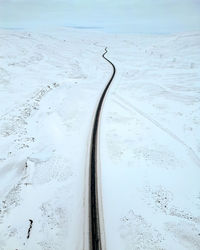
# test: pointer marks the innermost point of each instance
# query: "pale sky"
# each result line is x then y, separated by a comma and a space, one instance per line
143, 16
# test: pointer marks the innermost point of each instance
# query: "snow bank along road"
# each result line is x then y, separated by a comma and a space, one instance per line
150, 144
44, 135
95, 229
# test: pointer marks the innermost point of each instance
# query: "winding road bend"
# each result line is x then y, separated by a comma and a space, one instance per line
95, 230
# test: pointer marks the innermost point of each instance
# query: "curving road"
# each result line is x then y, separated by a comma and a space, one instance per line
95, 230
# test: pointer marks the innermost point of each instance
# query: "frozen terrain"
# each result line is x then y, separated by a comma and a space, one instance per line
149, 139
150, 145
49, 90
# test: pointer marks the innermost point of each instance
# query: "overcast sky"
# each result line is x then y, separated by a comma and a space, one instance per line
149, 16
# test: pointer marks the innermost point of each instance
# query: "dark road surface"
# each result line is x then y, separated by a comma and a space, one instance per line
95, 230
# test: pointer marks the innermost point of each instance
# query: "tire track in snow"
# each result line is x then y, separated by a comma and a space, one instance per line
127, 105
95, 230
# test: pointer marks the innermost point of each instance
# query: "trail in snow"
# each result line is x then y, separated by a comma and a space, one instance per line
125, 104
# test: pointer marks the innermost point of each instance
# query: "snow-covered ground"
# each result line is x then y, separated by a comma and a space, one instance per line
150, 145
149, 139
49, 90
